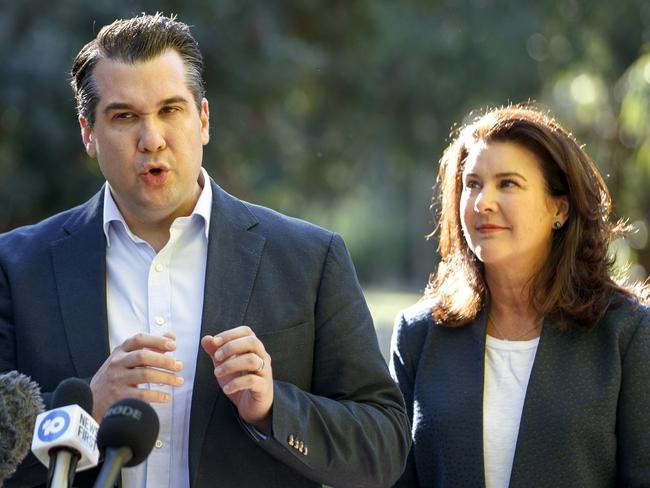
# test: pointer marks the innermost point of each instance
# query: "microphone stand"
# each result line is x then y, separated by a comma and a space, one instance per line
62, 468
113, 462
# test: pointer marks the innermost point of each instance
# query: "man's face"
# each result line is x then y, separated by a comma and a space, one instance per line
148, 137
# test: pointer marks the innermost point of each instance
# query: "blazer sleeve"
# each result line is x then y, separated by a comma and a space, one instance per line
633, 418
353, 423
403, 369
30, 472
7, 333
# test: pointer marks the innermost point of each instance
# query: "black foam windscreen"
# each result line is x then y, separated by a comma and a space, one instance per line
73, 391
129, 423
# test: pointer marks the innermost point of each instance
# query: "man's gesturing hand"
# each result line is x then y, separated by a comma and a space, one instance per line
138, 360
243, 369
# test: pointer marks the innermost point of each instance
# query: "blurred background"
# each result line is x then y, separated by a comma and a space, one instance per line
338, 111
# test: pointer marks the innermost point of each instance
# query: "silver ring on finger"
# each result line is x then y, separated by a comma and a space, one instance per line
261, 364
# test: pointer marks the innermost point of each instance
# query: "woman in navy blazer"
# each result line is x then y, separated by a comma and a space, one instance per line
526, 363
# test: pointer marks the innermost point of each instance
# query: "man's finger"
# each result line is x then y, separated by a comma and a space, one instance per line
245, 363
140, 376
146, 358
252, 382
232, 334
148, 341
149, 395
208, 345
240, 346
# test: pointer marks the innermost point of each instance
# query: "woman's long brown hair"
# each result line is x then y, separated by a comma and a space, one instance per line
575, 285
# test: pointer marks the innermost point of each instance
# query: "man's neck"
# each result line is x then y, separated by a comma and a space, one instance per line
154, 229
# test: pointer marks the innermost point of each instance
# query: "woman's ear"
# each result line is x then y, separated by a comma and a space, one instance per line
562, 211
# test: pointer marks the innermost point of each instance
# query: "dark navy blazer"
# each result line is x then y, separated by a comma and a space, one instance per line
586, 415
291, 282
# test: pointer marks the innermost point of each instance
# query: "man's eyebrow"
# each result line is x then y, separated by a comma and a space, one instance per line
117, 106
173, 100
128, 106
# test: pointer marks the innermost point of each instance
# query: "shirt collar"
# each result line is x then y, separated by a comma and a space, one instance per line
202, 209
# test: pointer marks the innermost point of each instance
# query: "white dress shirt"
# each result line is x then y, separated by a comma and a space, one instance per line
159, 293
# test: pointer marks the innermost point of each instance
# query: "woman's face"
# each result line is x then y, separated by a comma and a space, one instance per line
506, 212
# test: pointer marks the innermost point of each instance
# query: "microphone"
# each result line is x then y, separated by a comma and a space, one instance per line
65, 436
20, 403
127, 432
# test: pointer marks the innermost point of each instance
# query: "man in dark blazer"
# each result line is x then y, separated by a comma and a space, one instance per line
289, 387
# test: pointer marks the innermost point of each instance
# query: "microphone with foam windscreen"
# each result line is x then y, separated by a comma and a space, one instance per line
65, 436
127, 433
20, 404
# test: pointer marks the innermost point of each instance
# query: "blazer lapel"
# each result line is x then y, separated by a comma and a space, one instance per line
541, 406
474, 384
79, 262
233, 259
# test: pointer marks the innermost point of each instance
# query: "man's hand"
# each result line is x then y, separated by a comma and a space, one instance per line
138, 360
243, 370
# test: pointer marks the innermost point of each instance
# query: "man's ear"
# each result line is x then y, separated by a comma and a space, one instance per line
205, 121
88, 137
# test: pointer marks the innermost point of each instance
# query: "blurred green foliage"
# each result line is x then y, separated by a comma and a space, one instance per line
337, 111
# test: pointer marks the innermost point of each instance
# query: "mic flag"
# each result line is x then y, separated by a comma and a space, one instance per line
69, 427
20, 403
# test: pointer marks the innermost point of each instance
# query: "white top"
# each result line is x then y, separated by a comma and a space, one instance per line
507, 370
159, 293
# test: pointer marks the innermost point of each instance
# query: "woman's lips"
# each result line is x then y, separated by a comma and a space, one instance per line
489, 228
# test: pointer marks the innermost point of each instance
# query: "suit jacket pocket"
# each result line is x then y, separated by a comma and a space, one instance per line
292, 353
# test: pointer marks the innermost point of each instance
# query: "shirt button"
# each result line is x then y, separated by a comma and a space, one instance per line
159, 267
160, 321
159, 444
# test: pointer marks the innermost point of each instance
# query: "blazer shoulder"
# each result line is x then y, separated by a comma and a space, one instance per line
412, 325
272, 222
38, 234
289, 242
419, 313
301, 245
626, 314
626, 320
30, 239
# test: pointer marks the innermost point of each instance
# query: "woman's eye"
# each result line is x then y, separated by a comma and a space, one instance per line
508, 184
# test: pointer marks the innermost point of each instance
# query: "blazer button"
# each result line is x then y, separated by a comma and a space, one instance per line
290, 440
305, 451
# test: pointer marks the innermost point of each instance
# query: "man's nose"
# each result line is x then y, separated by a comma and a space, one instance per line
151, 137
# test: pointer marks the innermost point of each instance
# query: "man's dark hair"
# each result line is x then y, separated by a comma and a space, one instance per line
141, 38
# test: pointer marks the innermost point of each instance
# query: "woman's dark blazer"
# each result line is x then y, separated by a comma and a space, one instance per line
586, 415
